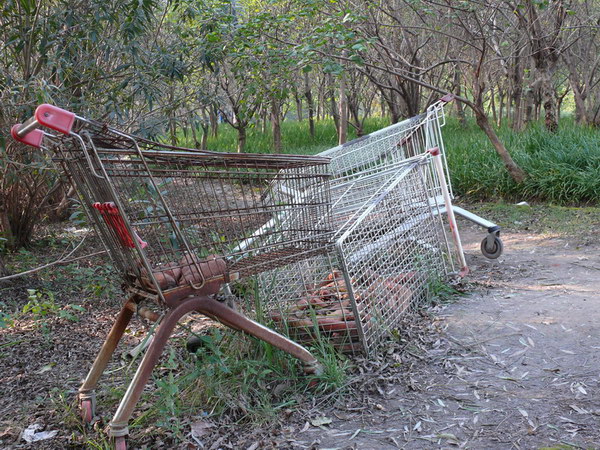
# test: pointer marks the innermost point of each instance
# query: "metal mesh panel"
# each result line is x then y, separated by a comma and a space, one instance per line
163, 212
382, 263
391, 254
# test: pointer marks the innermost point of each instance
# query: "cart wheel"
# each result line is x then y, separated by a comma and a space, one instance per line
87, 410
121, 443
495, 251
193, 344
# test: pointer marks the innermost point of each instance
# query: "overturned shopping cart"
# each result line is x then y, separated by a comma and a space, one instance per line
389, 192
179, 224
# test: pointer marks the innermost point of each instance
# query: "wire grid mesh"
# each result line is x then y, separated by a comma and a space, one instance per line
403, 140
381, 265
163, 212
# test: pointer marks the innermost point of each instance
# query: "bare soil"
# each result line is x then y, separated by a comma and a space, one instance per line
514, 363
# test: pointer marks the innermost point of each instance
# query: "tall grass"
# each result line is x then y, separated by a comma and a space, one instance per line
563, 167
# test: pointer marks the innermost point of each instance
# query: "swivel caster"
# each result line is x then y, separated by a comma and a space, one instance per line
491, 246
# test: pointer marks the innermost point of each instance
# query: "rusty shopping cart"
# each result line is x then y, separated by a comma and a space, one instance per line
179, 224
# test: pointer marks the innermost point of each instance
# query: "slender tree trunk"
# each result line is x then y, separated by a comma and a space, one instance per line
194, 135
310, 104
581, 115
276, 125
214, 121
517, 95
514, 170
204, 139
501, 107
382, 106
460, 110
298, 106
241, 129
549, 102
343, 112
263, 120
332, 103
493, 105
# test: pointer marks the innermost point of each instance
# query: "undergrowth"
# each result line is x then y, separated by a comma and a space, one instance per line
563, 167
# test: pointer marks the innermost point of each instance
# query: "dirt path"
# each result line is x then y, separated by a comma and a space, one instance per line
515, 364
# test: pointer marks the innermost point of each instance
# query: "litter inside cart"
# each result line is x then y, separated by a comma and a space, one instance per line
179, 224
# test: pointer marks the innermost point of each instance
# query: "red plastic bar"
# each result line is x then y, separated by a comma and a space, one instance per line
33, 138
56, 118
110, 214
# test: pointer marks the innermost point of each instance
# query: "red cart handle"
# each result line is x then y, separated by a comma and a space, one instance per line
47, 116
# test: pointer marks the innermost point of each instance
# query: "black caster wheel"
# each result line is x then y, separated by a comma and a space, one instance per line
493, 251
194, 344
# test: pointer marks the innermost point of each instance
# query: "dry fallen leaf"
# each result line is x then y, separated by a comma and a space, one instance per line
320, 421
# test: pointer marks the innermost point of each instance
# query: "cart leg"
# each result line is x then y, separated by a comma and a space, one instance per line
118, 425
236, 321
87, 395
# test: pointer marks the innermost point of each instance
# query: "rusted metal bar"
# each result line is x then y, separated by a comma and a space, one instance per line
108, 348
218, 311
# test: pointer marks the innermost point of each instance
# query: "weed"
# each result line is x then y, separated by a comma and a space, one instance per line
439, 291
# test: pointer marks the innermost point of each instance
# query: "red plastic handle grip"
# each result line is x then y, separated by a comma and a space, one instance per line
56, 118
113, 219
33, 138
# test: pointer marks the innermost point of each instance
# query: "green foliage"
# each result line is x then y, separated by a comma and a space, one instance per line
563, 167
41, 304
295, 135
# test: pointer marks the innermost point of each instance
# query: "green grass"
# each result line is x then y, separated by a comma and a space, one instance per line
295, 137
563, 167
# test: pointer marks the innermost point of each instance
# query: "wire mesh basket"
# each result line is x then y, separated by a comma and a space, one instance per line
164, 212
387, 253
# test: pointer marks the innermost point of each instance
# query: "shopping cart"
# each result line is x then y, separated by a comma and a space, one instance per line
403, 140
389, 253
179, 224
389, 191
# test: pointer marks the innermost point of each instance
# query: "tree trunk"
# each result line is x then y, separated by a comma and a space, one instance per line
204, 138
493, 105
241, 129
276, 125
311, 105
214, 121
460, 110
343, 112
581, 115
549, 102
332, 103
517, 96
514, 170
298, 106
